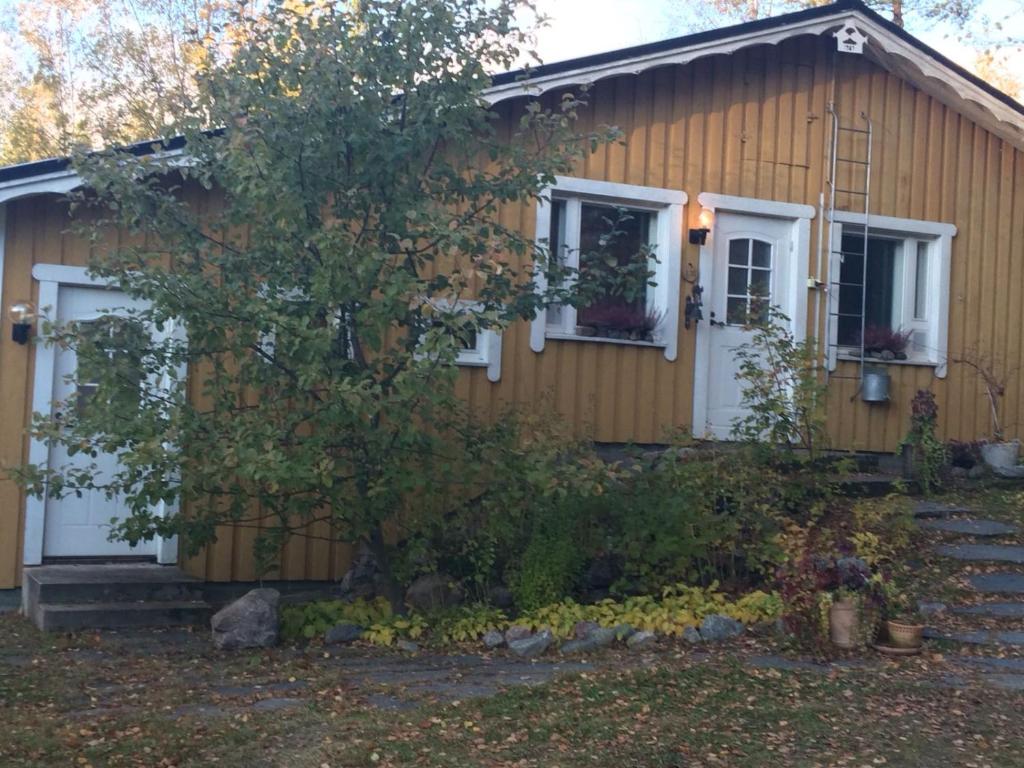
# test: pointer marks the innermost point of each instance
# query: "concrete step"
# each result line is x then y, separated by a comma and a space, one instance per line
969, 527
71, 617
983, 553
109, 584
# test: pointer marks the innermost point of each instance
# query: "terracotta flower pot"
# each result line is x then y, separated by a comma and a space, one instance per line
842, 623
904, 634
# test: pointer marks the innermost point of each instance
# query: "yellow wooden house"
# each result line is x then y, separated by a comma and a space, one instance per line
825, 157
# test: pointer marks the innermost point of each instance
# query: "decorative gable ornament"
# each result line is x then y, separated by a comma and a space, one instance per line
849, 39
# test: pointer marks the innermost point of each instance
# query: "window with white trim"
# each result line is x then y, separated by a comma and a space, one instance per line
905, 282
624, 239
478, 347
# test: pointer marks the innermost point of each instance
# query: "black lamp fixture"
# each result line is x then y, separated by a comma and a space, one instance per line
699, 234
22, 314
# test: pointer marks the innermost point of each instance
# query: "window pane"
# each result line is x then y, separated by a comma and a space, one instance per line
556, 235
921, 282
612, 239
736, 311
880, 286
739, 252
760, 283
762, 255
737, 281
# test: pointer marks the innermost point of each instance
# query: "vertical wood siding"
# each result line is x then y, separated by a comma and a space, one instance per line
753, 124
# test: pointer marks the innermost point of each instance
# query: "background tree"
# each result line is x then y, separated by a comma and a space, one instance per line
357, 188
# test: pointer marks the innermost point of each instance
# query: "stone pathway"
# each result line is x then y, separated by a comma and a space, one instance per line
992, 627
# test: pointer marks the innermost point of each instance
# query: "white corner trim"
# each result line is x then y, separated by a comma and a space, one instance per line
3, 245
668, 203
897, 225
755, 206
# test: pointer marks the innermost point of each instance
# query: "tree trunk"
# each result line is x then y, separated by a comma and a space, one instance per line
897, 13
392, 589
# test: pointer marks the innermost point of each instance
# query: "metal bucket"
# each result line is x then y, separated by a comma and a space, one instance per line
874, 386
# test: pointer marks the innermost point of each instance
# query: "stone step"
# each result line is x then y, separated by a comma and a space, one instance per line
1010, 666
969, 527
73, 617
929, 510
105, 583
991, 610
977, 636
998, 583
983, 553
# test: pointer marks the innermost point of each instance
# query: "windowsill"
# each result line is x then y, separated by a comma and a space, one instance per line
846, 357
605, 340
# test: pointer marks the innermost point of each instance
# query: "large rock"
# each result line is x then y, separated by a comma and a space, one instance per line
532, 646
717, 627
517, 632
363, 579
343, 633
493, 638
691, 635
432, 592
640, 640
596, 638
249, 622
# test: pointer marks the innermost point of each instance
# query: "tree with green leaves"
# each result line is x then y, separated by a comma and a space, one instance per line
350, 245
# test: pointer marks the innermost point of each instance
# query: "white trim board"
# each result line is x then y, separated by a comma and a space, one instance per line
796, 291
51, 277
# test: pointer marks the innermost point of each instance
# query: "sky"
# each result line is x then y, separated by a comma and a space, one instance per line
580, 27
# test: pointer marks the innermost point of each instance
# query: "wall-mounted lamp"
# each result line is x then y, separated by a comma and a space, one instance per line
22, 314
699, 235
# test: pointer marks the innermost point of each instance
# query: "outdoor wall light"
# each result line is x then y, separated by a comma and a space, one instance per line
22, 314
699, 235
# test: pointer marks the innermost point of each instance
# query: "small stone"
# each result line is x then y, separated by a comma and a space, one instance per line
532, 646
342, 634
927, 608
597, 638
888, 354
640, 640
691, 635
408, 646
249, 622
1013, 473
717, 627
584, 628
517, 632
960, 472
493, 639
976, 472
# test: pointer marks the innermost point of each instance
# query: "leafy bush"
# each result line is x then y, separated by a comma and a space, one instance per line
930, 452
381, 626
468, 623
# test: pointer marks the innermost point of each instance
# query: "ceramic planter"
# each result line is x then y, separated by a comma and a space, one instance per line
1001, 455
843, 623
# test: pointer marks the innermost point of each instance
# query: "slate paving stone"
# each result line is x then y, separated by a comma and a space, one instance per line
933, 509
802, 665
977, 636
1006, 682
983, 553
968, 527
993, 610
249, 690
1007, 665
1004, 582
276, 705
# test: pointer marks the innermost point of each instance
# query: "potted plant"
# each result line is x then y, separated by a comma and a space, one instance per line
885, 343
845, 581
923, 454
998, 453
903, 624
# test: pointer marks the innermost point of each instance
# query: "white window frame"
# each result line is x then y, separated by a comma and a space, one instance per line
667, 228
932, 329
487, 352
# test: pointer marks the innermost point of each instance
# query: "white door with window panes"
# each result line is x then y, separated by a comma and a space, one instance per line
79, 526
752, 259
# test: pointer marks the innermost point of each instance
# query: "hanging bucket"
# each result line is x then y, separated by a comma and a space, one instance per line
874, 386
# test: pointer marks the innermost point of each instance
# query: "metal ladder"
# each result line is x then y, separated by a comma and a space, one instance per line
860, 168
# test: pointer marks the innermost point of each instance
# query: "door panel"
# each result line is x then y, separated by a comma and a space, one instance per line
80, 526
752, 260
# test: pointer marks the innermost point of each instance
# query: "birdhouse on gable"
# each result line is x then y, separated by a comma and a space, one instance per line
849, 39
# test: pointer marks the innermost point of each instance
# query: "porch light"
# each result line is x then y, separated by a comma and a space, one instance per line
699, 234
22, 314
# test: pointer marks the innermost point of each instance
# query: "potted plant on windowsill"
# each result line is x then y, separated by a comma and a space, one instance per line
882, 343
1000, 454
619, 321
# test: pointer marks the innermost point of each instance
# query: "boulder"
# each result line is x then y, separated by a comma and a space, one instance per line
408, 646
717, 627
249, 622
343, 633
432, 592
517, 632
640, 640
532, 646
597, 638
363, 579
584, 628
493, 639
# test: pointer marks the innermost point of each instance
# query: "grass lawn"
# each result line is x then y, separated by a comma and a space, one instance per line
135, 701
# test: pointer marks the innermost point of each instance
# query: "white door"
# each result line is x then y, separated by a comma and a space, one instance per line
752, 259
80, 526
